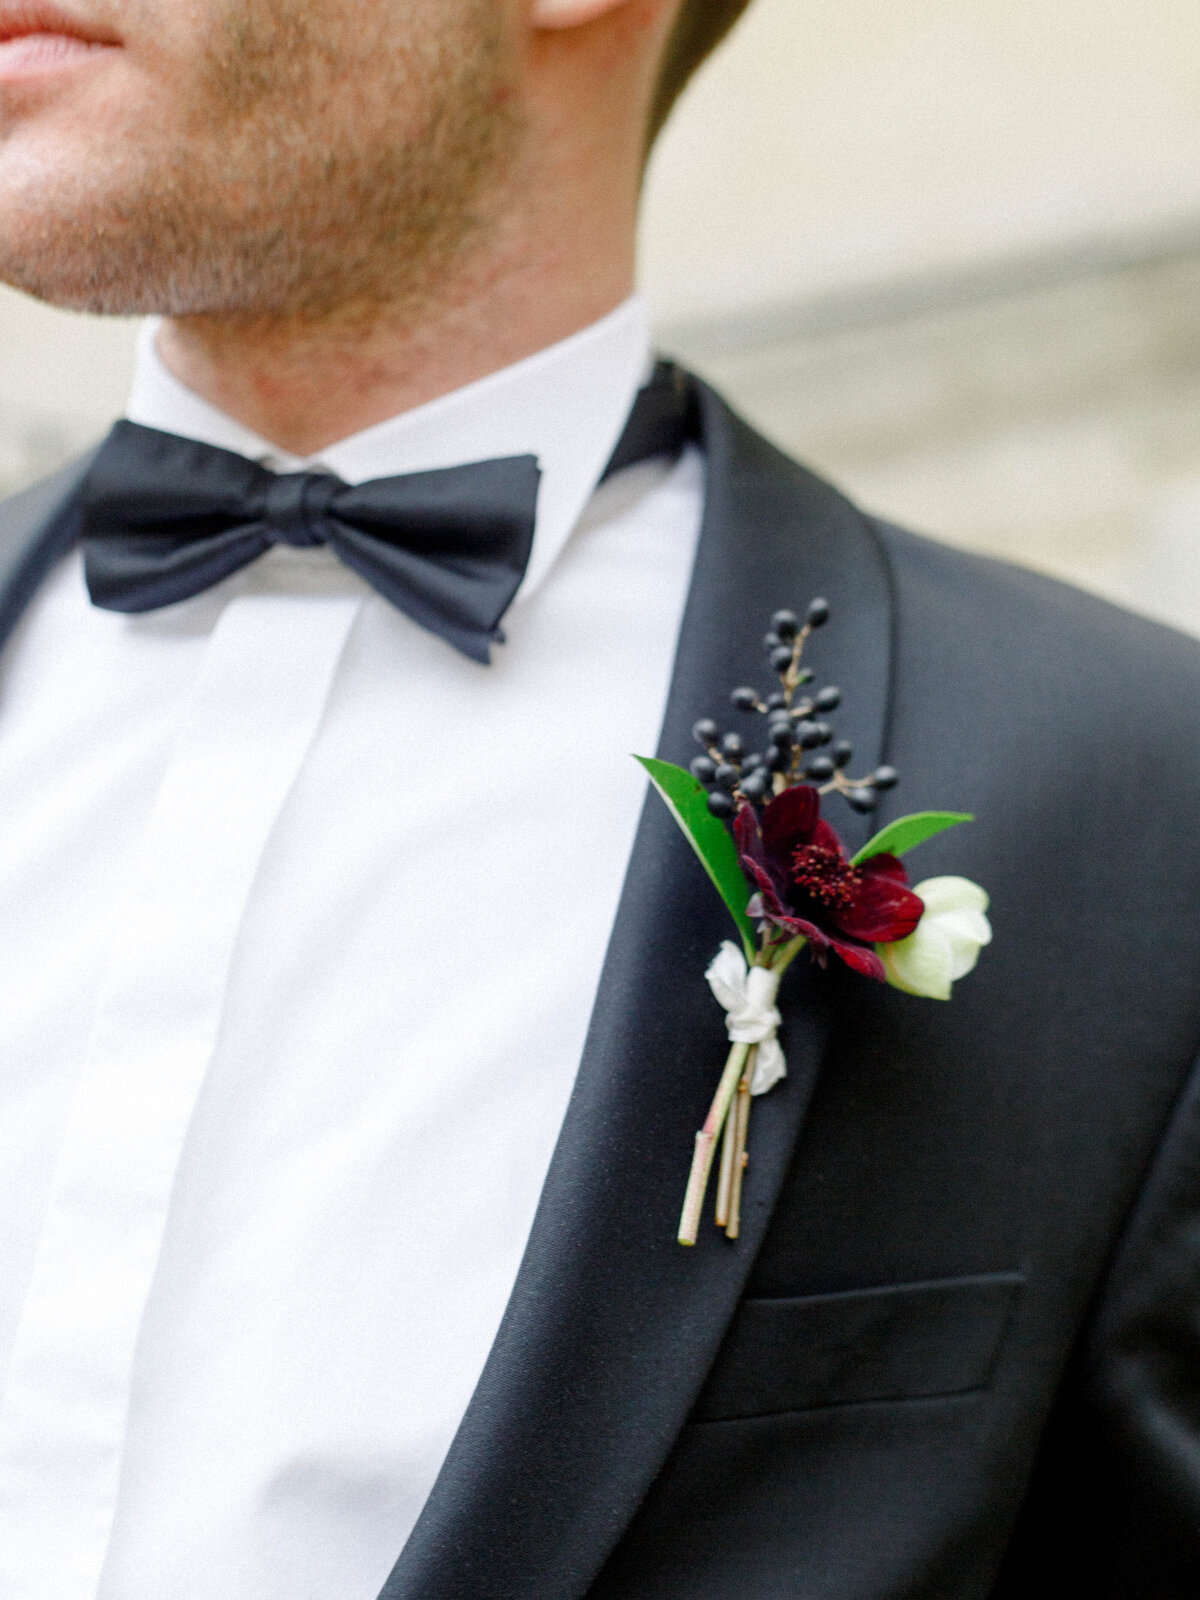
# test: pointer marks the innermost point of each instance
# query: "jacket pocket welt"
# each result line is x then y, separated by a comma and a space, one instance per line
900, 1342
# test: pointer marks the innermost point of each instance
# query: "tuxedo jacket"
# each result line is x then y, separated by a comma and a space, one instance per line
956, 1351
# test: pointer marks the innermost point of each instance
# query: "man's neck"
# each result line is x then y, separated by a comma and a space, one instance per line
304, 383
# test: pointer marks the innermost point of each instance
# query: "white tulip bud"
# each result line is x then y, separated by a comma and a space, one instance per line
945, 944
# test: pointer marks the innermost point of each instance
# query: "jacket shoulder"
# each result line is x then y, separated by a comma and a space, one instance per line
983, 606
37, 527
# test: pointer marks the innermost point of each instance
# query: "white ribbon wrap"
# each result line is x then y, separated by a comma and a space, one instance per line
748, 997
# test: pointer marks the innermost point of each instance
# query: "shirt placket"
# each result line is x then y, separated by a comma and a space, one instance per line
252, 717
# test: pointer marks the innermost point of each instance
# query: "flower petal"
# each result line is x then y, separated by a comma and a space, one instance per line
947, 940
769, 894
799, 927
957, 906
884, 908
788, 822
826, 838
887, 866
965, 924
758, 867
746, 833
952, 894
860, 957
964, 950
920, 964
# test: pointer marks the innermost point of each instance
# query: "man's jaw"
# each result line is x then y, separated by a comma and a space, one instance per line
38, 39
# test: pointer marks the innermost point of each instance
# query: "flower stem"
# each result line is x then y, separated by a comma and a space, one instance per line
739, 1119
739, 1069
725, 1172
706, 1141
781, 957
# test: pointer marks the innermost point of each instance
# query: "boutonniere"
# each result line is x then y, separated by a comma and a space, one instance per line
755, 819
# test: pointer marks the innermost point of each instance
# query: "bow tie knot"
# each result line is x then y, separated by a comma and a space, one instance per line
295, 508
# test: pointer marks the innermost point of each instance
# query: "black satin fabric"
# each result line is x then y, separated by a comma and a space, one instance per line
166, 517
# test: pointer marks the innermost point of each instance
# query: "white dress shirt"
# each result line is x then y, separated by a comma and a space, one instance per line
302, 916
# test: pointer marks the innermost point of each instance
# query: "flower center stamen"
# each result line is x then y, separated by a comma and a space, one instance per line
825, 875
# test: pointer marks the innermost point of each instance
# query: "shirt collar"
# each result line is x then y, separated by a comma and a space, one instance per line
567, 405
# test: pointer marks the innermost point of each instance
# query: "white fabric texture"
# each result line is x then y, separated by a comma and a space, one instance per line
747, 995
263, 1208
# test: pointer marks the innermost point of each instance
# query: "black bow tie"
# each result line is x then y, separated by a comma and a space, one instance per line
166, 517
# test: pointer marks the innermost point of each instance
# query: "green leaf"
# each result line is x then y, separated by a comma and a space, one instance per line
708, 837
907, 832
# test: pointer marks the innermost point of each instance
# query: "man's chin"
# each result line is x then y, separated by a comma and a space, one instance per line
91, 300
58, 273
77, 248
88, 224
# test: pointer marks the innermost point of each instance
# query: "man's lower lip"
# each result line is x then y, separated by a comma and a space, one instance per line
34, 54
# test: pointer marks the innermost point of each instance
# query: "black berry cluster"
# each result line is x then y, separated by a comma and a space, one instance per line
800, 744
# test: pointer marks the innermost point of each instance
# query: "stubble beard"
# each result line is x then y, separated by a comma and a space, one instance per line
302, 178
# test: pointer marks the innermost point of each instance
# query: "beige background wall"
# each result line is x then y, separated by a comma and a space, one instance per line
948, 250
839, 143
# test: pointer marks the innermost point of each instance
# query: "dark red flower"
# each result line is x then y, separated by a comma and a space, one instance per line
807, 885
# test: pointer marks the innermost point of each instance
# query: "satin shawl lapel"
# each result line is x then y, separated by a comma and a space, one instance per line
37, 527
612, 1326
